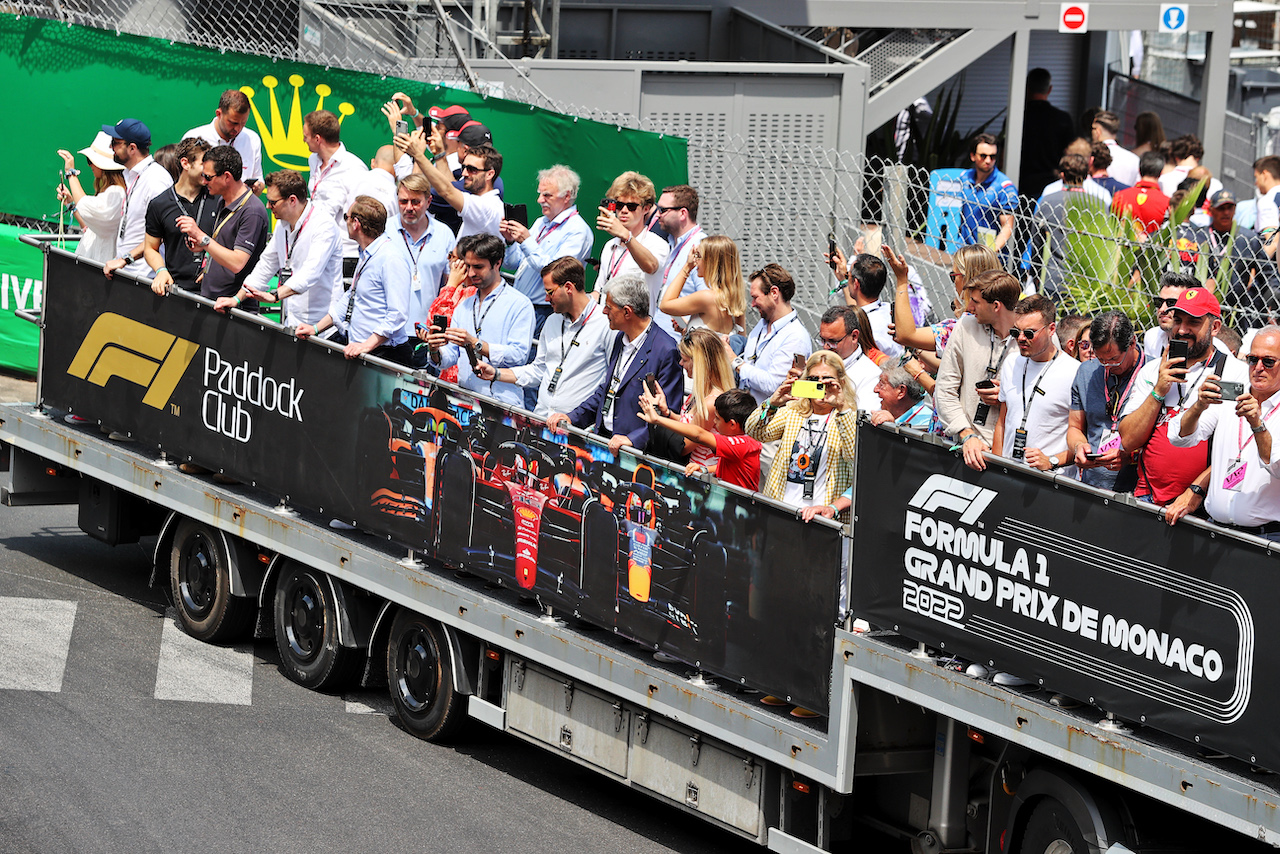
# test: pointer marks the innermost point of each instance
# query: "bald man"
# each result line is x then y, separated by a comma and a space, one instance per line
380, 181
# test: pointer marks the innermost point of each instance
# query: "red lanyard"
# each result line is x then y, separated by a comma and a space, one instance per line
1240, 437
551, 226
297, 235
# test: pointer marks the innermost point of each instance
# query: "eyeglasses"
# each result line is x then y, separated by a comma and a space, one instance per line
631, 206
1164, 302
1268, 362
663, 210
271, 203
831, 343
1026, 333
1084, 344
953, 275
205, 177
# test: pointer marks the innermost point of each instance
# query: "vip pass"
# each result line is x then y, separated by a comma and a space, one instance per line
235, 393
948, 564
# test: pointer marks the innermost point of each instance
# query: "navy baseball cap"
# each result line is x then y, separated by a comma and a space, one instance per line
474, 134
130, 130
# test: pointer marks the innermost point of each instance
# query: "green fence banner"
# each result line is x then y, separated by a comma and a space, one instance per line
21, 289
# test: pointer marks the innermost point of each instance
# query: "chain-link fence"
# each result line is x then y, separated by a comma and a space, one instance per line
411, 40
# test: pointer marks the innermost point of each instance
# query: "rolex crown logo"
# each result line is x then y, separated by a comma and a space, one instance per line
285, 144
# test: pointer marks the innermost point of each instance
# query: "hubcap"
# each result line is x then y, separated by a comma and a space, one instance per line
419, 671
197, 579
305, 613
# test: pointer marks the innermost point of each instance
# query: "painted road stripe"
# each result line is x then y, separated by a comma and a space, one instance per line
199, 672
35, 636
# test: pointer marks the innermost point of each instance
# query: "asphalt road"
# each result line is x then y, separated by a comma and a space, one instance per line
119, 734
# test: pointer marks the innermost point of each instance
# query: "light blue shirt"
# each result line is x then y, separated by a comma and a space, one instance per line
567, 234
429, 259
675, 261
768, 354
504, 321
378, 301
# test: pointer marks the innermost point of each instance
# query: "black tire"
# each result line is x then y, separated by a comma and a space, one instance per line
1050, 829
200, 581
420, 678
306, 622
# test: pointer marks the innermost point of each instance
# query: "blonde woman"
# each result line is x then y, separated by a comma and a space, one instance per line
814, 465
706, 364
99, 214
722, 307
632, 247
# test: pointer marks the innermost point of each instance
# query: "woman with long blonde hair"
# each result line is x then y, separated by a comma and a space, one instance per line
723, 305
706, 364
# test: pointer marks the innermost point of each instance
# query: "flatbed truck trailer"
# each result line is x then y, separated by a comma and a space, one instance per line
907, 741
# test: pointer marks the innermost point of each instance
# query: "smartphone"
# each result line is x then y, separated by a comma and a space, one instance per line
1178, 350
798, 361
518, 213
831, 250
1093, 456
1230, 390
402, 126
611, 205
985, 384
651, 383
440, 321
808, 388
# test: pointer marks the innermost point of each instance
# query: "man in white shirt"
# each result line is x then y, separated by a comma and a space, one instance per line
777, 339
572, 355
865, 282
478, 202
838, 330
678, 216
229, 128
380, 181
1185, 154
1266, 177
1124, 163
305, 252
144, 179
1035, 391
1244, 487
334, 174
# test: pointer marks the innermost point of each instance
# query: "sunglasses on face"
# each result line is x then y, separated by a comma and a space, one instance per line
473, 170
1164, 302
1025, 333
614, 203
1268, 362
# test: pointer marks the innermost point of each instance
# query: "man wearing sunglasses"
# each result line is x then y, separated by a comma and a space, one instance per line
1175, 477
1098, 396
1035, 391
1244, 485
1156, 338
989, 197
240, 234
478, 202
678, 216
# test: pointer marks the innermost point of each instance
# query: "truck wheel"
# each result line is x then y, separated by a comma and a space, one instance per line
1050, 829
200, 580
307, 631
420, 678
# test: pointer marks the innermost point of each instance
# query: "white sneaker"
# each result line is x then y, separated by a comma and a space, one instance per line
1008, 680
339, 525
75, 420
977, 671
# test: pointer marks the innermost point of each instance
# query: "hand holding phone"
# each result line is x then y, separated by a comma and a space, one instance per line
1179, 350
440, 321
811, 389
651, 383
1230, 390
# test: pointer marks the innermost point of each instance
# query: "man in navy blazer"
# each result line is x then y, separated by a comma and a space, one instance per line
613, 409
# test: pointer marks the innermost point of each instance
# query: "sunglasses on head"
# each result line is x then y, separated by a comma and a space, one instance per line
614, 203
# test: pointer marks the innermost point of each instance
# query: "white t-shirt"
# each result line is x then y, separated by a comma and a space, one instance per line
247, 143
1268, 211
480, 214
1049, 407
615, 261
864, 374
812, 437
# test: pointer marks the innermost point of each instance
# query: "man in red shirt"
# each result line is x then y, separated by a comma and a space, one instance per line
1145, 200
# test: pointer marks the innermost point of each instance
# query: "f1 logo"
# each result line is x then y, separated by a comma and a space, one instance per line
947, 493
118, 346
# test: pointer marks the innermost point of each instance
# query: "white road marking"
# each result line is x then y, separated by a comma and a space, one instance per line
35, 637
368, 703
199, 672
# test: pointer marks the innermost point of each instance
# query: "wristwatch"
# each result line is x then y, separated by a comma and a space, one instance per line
127, 258
69, 173
1054, 462
1197, 489
738, 362
1261, 428
206, 240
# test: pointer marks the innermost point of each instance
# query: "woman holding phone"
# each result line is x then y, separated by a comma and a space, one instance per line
99, 213
813, 414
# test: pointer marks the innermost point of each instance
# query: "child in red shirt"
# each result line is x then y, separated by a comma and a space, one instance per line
739, 453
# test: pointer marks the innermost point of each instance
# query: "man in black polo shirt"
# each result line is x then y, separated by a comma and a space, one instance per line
240, 234
178, 265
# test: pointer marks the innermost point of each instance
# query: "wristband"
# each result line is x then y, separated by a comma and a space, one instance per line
1197, 489
237, 299
161, 267
916, 375
844, 283
1158, 397
627, 240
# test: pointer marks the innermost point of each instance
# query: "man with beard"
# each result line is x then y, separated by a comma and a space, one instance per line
1098, 396
1175, 477
333, 174
229, 128
144, 179
478, 201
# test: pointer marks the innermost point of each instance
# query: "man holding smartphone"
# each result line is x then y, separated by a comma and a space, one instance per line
1172, 476
1098, 395
968, 388
1244, 485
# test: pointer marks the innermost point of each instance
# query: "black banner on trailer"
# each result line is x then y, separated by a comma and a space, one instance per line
1095, 599
739, 587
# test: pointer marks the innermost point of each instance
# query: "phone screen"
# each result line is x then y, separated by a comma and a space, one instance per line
1178, 350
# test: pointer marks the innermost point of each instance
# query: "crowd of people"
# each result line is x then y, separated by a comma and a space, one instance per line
416, 258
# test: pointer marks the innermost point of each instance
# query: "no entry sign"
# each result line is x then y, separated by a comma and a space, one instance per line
1073, 18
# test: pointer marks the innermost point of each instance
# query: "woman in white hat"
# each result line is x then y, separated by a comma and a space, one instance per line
99, 214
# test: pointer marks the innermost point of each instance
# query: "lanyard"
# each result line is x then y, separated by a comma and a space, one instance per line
1028, 399
551, 225
129, 193
1240, 437
1113, 409
619, 253
620, 370
773, 333
810, 454
1183, 387
355, 280
991, 372
564, 350
675, 253
229, 215
297, 235
477, 316
204, 197
333, 161
408, 245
